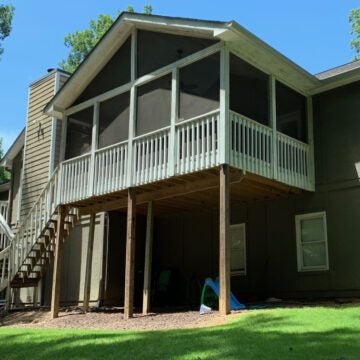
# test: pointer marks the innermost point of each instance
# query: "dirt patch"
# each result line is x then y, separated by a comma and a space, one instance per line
112, 320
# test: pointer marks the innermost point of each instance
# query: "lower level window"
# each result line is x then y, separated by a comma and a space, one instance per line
311, 238
238, 249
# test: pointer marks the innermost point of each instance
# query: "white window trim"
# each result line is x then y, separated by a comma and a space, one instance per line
300, 266
240, 272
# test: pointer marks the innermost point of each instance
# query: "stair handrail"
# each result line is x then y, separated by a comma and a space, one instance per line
51, 206
6, 228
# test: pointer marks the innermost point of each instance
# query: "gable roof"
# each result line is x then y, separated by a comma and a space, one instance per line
242, 42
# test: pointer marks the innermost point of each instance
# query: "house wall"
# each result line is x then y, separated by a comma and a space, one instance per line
37, 142
15, 188
189, 244
38, 139
74, 265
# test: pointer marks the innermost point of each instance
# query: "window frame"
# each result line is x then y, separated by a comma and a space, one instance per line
299, 245
239, 272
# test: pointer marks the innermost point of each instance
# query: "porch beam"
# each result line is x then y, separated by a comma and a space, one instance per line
130, 255
89, 258
59, 245
148, 259
224, 246
165, 193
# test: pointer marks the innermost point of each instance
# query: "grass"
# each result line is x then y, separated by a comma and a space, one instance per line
308, 333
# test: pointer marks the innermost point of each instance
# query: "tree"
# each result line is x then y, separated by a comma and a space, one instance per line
354, 19
6, 16
81, 43
4, 175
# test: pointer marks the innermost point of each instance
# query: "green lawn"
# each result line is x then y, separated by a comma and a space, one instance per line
308, 333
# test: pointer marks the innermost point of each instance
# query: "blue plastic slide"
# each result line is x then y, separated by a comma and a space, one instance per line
234, 303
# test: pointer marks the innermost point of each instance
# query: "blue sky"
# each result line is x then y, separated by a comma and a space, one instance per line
313, 33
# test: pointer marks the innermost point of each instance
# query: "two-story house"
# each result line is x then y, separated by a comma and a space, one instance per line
190, 147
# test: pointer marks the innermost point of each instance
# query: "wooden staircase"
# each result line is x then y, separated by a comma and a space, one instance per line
24, 262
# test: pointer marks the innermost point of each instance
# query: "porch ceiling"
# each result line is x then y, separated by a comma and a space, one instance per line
189, 193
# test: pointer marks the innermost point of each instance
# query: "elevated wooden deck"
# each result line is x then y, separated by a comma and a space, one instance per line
191, 192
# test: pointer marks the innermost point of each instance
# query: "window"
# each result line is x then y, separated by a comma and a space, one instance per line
238, 249
311, 238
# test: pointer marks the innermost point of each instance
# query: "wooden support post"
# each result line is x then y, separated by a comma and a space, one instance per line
55, 296
130, 255
148, 259
224, 246
89, 257
35, 296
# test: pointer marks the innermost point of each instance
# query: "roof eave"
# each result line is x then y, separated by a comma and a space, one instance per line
13, 151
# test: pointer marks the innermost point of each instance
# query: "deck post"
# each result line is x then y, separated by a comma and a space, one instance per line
148, 259
89, 257
174, 115
274, 155
59, 245
35, 295
310, 140
132, 112
94, 146
130, 255
224, 246
224, 122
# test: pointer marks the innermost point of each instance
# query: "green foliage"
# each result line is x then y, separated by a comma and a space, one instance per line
354, 19
81, 43
319, 333
147, 9
6, 16
4, 175
130, 8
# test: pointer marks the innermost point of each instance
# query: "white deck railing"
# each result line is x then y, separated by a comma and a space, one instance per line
110, 169
293, 162
251, 150
197, 143
151, 157
75, 176
195, 148
250, 145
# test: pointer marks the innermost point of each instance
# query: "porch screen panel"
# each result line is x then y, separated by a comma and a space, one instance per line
156, 49
249, 90
199, 87
153, 105
115, 73
291, 112
114, 120
78, 136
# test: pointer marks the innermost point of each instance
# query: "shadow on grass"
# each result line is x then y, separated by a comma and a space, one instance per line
259, 336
